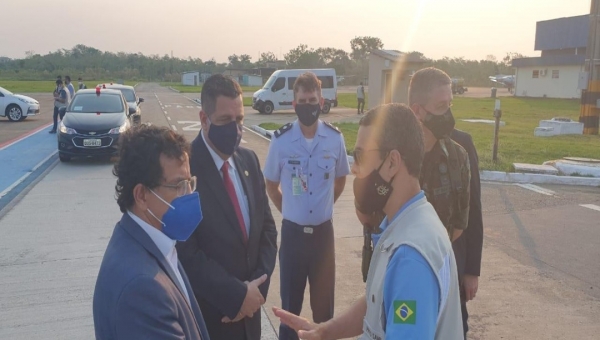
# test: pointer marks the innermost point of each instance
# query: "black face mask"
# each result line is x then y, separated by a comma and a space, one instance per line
372, 192
308, 113
225, 137
440, 126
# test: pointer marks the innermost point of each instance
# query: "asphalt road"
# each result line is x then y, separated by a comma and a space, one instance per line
540, 276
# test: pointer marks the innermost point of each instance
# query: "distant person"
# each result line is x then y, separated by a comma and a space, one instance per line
56, 89
69, 86
142, 291
360, 97
62, 97
82, 86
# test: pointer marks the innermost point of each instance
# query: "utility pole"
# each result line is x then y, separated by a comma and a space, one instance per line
590, 96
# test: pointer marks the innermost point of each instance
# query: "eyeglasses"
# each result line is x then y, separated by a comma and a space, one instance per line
358, 155
187, 186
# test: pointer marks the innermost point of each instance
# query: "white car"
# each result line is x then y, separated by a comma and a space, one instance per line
16, 106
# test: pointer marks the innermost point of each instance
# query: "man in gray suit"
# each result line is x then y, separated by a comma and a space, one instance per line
142, 292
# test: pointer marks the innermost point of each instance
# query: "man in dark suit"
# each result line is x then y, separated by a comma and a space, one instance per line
142, 291
231, 255
468, 247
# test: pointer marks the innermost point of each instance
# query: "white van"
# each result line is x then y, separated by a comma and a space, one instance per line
278, 92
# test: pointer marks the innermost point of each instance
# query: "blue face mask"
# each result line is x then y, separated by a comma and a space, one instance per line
225, 137
182, 218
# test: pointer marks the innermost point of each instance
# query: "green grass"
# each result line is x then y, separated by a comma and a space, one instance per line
270, 126
198, 89
349, 100
247, 101
516, 141
25, 86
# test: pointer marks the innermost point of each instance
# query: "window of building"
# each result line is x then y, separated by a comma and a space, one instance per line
555, 74
536, 74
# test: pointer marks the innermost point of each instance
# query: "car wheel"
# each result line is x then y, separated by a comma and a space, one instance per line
268, 108
63, 157
461, 91
326, 108
14, 113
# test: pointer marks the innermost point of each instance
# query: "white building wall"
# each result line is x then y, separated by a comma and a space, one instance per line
254, 81
565, 86
188, 78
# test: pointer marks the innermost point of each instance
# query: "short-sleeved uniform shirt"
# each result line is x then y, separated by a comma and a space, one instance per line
306, 171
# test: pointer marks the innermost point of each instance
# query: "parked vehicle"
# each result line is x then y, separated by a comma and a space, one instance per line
17, 107
92, 124
278, 92
458, 86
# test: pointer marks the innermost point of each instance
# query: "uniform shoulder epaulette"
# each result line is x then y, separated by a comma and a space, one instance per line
331, 126
287, 127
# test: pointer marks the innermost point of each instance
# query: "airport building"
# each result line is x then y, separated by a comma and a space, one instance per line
558, 72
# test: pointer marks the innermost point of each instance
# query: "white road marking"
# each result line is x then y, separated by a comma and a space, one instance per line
590, 206
174, 127
256, 133
179, 106
190, 107
192, 125
243, 141
167, 106
24, 177
537, 189
169, 118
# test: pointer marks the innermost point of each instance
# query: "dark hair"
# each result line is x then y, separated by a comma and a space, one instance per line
397, 128
67, 78
59, 82
139, 159
79, 78
215, 86
308, 82
423, 82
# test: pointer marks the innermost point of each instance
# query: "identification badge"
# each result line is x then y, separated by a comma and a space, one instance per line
296, 186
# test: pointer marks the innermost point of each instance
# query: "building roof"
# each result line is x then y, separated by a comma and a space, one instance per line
395, 55
561, 33
555, 60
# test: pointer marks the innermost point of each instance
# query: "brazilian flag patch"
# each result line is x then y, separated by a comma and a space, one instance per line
405, 312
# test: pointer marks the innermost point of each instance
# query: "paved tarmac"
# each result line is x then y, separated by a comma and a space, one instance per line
540, 276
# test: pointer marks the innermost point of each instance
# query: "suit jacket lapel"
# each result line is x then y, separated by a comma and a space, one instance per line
140, 235
210, 175
242, 169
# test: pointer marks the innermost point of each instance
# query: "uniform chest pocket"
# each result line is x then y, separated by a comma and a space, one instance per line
294, 166
326, 164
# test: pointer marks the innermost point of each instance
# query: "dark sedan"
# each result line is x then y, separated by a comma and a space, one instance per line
92, 124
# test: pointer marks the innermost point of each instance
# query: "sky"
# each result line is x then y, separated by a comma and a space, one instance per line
208, 29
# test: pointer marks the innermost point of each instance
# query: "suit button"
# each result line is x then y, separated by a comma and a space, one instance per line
311, 211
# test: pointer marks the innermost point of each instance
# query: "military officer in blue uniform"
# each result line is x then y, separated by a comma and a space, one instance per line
306, 172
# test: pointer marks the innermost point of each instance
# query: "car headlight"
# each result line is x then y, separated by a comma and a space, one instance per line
25, 101
119, 129
67, 130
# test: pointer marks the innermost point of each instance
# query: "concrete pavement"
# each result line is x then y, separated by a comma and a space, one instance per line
540, 276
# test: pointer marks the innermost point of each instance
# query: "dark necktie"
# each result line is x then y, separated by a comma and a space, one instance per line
233, 197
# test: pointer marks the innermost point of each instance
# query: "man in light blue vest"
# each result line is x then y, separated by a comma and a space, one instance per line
412, 286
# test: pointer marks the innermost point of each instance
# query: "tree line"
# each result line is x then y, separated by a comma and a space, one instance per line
91, 63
